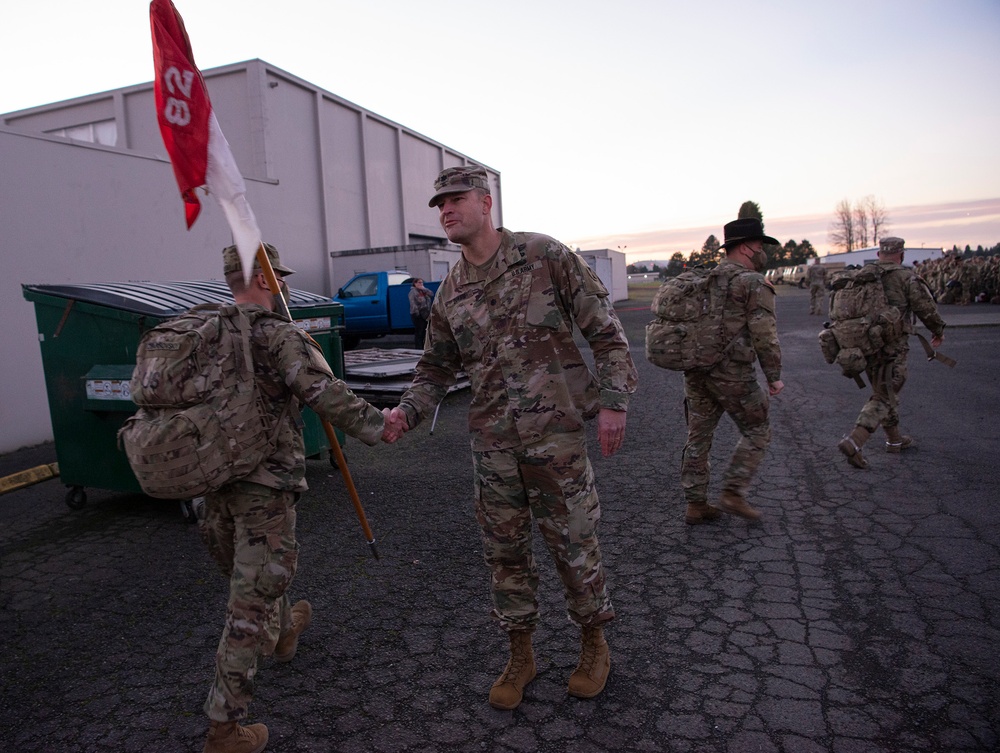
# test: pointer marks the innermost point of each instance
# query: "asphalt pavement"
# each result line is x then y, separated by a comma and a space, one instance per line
861, 615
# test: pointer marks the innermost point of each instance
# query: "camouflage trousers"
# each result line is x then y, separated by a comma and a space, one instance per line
705, 400
551, 481
250, 532
816, 295
886, 375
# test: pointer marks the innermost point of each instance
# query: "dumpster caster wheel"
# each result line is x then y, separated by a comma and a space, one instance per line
189, 509
76, 498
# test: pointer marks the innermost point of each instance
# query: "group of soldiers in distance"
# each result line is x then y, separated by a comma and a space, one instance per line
954, 279
957, 279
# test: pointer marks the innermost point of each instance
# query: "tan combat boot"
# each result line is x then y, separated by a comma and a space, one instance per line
288, 643
851, 446
894, 441
591, 674
735, 504
508, 690
700, 512
230, 737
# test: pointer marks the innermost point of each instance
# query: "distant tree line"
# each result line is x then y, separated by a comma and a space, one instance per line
711, 253
858, 225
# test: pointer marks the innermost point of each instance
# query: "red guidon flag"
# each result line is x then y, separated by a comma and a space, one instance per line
198, 151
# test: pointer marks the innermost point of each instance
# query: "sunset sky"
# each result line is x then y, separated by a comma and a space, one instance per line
641, 124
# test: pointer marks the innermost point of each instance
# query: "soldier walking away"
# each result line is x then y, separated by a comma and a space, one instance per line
506, 315
886, 369
731, 386
816, 277
249, 524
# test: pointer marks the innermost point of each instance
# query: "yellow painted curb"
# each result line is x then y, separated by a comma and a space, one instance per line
28, 477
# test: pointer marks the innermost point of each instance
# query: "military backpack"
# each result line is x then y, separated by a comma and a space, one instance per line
862, 322
200, 423
689, 332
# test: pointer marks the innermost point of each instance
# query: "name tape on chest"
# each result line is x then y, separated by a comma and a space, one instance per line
537, 264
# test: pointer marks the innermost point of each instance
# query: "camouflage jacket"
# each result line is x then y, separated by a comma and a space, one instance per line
907, 291
816, 275
511, 330
420, 300
290, 366
749, 318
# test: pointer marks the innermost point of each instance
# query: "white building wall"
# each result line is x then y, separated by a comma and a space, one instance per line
612, 268
322, 175
77, 213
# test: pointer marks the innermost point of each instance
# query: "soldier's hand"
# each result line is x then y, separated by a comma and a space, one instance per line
610, 430
395, 424
774, 388
389, 434
936, 341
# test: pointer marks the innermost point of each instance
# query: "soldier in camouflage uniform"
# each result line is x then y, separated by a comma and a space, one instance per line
816, 276
506, 315
249, 525
886, 370
420, 311
731, 386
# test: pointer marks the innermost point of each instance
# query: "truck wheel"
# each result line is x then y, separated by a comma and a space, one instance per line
351, 342
76, 498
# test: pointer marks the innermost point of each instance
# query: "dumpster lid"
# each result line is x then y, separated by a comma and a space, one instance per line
161, 298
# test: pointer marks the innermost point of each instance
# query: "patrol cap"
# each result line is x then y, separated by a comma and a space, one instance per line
746, 229
231, 260
890, 245
459, 180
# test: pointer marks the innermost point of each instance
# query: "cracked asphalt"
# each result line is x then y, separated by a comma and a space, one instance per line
861, 615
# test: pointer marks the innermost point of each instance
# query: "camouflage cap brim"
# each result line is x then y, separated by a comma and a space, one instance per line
459, 180
231, 261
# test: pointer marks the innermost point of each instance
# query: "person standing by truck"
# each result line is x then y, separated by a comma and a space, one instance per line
420, 311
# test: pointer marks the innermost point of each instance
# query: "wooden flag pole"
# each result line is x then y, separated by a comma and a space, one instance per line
331, 435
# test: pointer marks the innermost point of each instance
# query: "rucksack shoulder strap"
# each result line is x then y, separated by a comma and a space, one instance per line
729, 271
235, 319
236, 323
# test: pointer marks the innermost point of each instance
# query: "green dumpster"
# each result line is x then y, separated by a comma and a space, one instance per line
89, 334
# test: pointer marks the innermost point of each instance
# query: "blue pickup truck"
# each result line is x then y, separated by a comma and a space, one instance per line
377, 304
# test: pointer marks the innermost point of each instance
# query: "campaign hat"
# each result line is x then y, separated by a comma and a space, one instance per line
743, 230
